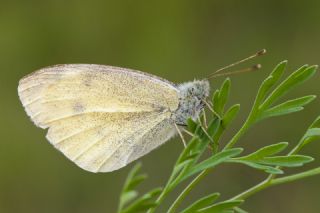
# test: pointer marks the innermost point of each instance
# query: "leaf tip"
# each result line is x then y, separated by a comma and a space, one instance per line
284, 144
314, 66
237, 105
238, 150
309, 159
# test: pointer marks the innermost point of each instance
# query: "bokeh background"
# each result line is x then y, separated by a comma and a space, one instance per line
177, 40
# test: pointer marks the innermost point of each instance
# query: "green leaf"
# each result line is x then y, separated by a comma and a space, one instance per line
278, 71
132, 174
213, 161
267, 169
238, 210
263, 90
223, 96
133, 179
213, 130
288, 106
214, 126
140, 207
265, 151
270, 81
287, 161
143, 203
128, 192
261, 159
128, 196
215, 99
221, 207
316, 123
188, 156
189, 150
136, 181
195, 154
192, 125
230, 115
292, 81
201, 203
311, 135
223, 125
178, 168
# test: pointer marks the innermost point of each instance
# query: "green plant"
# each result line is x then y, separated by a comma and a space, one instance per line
266, 159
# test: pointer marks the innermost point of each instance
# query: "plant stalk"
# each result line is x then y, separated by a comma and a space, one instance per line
260, 186
237, 136
187, 190
294, 177
268, 182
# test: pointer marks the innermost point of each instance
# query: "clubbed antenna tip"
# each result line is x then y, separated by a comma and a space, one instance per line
261, 52
257, 66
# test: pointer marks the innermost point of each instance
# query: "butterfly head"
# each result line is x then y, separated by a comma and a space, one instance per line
191, 101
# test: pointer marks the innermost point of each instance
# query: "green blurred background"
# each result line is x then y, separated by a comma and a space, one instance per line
177, 40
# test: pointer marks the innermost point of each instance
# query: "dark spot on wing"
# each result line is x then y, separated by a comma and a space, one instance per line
78, 107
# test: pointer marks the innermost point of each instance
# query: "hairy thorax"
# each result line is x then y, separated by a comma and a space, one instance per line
191, 100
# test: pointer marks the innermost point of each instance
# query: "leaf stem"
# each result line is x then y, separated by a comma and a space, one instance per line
163, 194
260, 186
160, 198
243, 129
187, 190
268, 182
294, 177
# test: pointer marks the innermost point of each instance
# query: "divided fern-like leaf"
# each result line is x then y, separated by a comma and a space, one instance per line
143, 203
268, 158
287, 107
230, 114
270, 81
312, 134
265, 151
133, 180
202, 203
287, 161
296, 78
222, 207
213, 161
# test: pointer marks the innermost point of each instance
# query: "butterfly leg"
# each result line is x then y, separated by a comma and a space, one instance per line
210, 107
208, 135
204, 119
189, 133
205, 131
181, 136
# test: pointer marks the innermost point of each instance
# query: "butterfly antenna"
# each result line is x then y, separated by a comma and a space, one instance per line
249, 69
259, 53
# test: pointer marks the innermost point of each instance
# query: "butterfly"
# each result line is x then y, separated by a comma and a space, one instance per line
104, 117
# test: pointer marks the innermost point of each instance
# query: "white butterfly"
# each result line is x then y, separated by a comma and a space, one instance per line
104, 117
